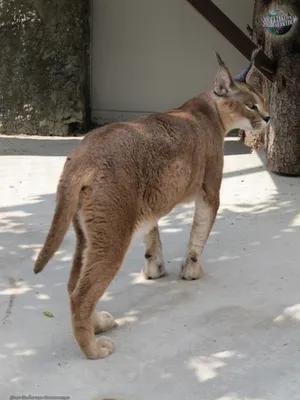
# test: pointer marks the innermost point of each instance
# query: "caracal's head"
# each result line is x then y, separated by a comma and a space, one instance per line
240, 105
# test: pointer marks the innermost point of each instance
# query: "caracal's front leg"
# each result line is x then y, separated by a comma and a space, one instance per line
154, 265
206, 208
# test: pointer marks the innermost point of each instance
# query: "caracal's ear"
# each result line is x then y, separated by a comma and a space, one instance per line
242, 76
224, 83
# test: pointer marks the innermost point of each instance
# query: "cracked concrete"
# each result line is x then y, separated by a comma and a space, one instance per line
232, 336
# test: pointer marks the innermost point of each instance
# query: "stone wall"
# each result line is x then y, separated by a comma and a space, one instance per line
44, 53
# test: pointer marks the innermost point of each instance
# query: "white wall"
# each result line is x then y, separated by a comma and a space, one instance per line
151, 55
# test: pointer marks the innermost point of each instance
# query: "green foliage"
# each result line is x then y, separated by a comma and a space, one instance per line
48, 314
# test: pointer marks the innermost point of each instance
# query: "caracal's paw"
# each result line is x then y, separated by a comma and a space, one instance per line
104, 347
191, 270
153, 269
103, 321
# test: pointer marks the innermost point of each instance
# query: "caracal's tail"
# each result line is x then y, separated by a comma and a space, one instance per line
66, 205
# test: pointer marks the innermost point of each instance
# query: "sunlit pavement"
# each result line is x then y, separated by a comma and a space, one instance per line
235, 335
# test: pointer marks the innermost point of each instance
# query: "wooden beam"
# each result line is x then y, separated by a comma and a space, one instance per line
234, 35
265, 66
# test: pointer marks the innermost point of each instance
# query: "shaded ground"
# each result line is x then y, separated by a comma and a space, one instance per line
232, 336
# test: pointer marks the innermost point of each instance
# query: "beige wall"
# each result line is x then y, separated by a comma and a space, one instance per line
150, 55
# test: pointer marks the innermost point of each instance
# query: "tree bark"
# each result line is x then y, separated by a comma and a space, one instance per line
44, 67
281, 139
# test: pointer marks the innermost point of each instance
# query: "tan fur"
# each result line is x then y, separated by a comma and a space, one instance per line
126, 176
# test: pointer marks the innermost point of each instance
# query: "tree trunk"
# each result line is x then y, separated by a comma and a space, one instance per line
282, 138
44, 67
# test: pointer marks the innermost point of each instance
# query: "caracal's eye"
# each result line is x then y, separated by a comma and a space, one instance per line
252, 107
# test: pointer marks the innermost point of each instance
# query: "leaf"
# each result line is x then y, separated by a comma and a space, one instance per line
48, 314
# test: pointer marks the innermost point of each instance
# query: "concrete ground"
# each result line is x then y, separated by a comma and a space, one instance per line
235, 335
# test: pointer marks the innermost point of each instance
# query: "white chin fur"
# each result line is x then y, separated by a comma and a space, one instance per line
243, 124
246, 126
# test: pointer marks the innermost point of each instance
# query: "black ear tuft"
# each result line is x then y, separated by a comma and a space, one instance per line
220, 61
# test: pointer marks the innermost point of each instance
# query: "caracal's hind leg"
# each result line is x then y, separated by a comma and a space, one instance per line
102, 321
108, 237
78, 256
